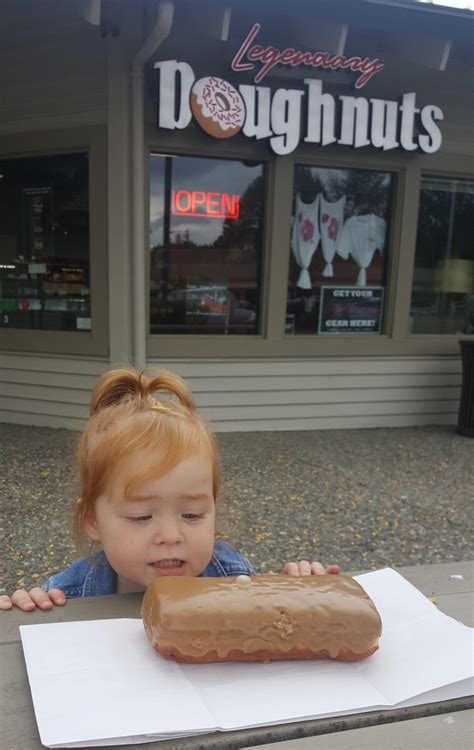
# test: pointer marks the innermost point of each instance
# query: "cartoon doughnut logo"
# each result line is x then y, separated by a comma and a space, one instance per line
218, 107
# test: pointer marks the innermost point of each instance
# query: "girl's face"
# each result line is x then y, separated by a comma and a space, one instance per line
167, 528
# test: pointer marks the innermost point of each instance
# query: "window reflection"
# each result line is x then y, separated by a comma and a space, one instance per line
338, 250
206, 218
44, 243
443, 277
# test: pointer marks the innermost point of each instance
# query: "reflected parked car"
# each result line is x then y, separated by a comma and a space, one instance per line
213, 302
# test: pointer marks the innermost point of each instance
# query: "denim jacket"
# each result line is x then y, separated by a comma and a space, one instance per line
95, 577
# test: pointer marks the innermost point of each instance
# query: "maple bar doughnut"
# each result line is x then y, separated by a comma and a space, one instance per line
260, 618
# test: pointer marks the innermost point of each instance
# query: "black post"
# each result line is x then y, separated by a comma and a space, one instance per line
466, 404
165, 259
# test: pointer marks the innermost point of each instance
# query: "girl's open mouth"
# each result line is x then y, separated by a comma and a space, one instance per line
168, 566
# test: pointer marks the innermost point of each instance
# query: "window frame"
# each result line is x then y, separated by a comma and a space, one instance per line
49, 143
393, 190
448, 175
221, 336
158, 345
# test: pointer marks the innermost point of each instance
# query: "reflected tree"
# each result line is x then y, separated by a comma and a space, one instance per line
367, 191
245, 232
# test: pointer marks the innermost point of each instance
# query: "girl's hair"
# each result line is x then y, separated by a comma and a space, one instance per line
133, 414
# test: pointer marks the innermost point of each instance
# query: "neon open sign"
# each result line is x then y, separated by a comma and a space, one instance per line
205, 205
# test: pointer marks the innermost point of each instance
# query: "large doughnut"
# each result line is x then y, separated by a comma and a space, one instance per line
217, 107
200, 620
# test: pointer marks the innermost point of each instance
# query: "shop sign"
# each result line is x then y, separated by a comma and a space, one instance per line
287, 115
270, 56
222, 111
347, 309
204, 204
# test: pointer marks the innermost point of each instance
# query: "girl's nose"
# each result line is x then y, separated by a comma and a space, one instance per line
167, 532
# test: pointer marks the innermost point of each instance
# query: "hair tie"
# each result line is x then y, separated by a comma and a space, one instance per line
158, 406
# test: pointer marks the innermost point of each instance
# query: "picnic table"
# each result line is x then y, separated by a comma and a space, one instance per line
447, 723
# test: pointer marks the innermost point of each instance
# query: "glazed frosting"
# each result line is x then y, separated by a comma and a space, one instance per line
271, 613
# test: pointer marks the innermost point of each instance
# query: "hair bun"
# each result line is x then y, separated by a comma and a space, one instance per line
118, 386
174, 385
115, 386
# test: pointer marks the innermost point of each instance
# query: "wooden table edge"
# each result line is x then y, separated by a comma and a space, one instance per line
237, 739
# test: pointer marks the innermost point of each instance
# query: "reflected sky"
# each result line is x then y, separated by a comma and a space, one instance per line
329, 178
194, 173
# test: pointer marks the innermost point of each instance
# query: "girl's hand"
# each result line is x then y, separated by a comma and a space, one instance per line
29, 600
305, 568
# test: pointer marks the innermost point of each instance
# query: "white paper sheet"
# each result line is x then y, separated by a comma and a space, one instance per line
99, 682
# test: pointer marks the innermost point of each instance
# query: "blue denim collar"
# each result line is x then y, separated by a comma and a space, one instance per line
101, 578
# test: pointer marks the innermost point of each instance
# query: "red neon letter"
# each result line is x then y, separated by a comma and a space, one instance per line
180, 208
213, 204
236, 63
230, 206
235, 206
198, 199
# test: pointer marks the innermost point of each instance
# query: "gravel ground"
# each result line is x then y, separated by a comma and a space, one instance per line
362, 498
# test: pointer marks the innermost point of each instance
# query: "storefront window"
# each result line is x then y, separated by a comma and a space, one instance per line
206, 219
443, 279
44, 243
338, 251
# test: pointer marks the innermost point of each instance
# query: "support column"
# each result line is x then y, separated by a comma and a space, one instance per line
119, 52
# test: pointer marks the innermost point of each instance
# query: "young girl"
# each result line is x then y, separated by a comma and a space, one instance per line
149, 473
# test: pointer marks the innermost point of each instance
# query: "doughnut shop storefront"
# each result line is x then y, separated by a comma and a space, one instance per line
275, 200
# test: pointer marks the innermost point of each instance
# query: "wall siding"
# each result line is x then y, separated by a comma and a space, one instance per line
53, 72
47, 391
323, 394
243, 395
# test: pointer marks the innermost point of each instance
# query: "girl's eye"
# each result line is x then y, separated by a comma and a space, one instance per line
138, 519
193, 516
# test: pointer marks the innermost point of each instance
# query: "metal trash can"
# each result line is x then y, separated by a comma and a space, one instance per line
466, 404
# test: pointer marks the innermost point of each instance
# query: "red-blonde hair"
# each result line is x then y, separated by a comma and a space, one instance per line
132, 413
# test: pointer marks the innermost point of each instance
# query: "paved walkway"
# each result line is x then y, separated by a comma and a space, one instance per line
362, 498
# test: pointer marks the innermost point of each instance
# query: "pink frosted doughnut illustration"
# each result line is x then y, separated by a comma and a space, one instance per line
217, 106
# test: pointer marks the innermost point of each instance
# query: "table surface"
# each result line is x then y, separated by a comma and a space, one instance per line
451, 585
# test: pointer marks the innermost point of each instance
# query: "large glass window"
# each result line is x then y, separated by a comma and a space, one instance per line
44, 243
206, 220
338, 251
443, 279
